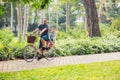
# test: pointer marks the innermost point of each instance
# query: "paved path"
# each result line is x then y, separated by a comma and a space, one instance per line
18, 65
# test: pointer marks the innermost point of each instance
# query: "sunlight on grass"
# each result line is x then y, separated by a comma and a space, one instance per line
94, 71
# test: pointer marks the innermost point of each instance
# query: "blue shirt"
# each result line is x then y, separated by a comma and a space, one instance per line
41, 27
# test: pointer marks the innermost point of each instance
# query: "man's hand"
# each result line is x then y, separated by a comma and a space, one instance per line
43, 31
34, 31
31, 34
40, 33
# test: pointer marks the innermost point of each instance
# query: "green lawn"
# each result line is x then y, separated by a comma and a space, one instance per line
93, 71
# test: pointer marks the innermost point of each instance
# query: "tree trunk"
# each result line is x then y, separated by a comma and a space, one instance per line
11, 17
100, 10
19, 17
92, 18
25, 26
67, 14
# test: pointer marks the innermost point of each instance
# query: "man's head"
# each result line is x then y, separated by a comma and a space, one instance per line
45, 21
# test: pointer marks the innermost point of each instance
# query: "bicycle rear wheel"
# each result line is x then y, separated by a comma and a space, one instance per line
29, 53
50, 54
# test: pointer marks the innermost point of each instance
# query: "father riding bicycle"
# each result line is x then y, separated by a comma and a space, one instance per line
43, 36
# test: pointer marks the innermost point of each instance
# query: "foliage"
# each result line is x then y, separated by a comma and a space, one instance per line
41, 4
88, 46
32, 26
9, 46
72, 16
1, 10
111, 10
4, 10
93, 71
115, 24
78, 43
75, 33
5, 39
73, 42
17, 48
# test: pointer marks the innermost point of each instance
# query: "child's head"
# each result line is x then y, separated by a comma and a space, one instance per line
53, 30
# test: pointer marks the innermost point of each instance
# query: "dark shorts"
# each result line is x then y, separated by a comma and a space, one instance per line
45, 37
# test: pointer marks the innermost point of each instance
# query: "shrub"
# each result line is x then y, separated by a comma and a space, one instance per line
115, 24
74, 33
5, 39
9, 46
73, 42
88, 45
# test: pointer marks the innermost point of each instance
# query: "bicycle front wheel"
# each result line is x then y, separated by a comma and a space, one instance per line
29, 53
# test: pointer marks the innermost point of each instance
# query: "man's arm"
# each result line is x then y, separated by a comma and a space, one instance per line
43, 31
35, 31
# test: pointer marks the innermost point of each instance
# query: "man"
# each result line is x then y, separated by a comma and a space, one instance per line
43, 36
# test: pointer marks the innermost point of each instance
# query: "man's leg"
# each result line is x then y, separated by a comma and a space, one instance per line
43, 43
40, 51
40, 47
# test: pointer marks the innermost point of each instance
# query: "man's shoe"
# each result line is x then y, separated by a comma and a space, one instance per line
43, 48
47, 48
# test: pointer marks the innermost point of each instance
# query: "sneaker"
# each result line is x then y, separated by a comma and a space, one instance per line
43, 48
47, 48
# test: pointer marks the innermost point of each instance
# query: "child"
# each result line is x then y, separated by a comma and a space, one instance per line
52, 36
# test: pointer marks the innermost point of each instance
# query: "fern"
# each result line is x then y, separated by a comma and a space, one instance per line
115, 24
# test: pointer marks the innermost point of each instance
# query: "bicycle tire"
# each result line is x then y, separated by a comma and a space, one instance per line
50, 54
29, 53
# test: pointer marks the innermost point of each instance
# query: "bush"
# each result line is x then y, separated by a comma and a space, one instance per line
5, 39
76, 41
86, 45
9, 46
74, 33
73, 42
115, 24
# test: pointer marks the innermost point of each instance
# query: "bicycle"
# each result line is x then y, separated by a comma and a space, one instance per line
30, 52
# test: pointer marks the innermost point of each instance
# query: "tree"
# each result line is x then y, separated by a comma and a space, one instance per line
110, 10
92, 18
2, 8
100, 10
11, 16
25, 26
67, 14
19, 17
62, 15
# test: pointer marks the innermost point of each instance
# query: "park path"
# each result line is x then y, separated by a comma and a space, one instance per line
18, 65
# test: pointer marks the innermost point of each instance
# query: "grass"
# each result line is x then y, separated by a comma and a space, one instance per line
93, 71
